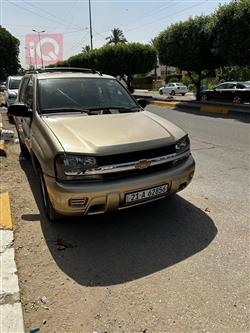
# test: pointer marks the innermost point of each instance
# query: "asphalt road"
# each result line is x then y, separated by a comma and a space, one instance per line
176, 265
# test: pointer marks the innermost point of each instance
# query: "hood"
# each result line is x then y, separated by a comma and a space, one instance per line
10, 91
112, 134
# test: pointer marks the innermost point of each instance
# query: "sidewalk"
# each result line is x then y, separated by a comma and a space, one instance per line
11, 316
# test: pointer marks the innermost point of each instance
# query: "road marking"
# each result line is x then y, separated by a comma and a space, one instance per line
214, 109
5, 213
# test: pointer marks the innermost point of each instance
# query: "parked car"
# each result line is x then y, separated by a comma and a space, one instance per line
173, 88
2, 87
236, 92
94, 147
11, 91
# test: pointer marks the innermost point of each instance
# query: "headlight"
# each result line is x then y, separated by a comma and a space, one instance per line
12, 95
73, 166
182, 145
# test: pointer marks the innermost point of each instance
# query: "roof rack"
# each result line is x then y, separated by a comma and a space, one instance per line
65, 69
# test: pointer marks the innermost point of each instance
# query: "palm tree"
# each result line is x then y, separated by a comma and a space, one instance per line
86, 48
116, 37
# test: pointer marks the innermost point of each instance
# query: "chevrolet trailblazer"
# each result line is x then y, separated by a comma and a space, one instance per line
93, 146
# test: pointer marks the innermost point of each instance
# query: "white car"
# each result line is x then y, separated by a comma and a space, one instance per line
173, 88
11, 91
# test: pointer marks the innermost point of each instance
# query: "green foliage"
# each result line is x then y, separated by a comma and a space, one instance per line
188, 45
173, 78
143, 82
233, 73
9, 51
231, 24
120, 59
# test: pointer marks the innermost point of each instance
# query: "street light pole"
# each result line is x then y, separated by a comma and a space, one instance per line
90, 27
39, 38
29, 56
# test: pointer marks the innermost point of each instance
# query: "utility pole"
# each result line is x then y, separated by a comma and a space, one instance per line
90, 27
39, 38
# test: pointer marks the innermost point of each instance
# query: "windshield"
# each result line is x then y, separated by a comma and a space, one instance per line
83, 93
14, 83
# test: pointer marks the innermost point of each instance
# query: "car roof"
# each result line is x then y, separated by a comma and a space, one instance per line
15, 77
58, 75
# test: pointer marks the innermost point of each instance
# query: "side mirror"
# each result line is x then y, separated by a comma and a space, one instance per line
142, 102
19, 110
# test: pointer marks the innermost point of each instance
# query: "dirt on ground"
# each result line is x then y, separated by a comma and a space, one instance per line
156, 268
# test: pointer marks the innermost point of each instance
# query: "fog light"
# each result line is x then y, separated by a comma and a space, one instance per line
78, 202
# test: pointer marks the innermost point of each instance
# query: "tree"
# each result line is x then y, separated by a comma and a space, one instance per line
122, 60
116, 37
189, 45
233, 73
86, 48
9, 51
231, 24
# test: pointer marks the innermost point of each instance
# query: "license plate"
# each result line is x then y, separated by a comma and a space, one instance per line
146, 194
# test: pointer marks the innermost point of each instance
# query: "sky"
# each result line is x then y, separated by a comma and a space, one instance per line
140, 20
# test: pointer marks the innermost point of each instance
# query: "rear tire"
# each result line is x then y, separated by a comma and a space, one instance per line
50, 212
183, 94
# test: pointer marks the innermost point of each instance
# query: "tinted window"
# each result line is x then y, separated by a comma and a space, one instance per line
222, 86
23, 88
230, 86
83, 92
14, 83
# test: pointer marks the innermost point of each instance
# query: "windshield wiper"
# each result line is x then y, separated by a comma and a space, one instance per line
65, 109
115, 108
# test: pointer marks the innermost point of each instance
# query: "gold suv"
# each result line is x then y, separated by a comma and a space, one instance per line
93, 146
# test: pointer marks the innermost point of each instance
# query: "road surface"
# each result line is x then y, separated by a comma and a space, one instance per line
176, 265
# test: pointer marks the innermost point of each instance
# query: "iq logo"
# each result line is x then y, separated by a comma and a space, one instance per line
46, 50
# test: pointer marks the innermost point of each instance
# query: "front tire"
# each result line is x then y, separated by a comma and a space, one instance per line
50, 212
204, 98
183, 94
172, 92
237, 100
160, 92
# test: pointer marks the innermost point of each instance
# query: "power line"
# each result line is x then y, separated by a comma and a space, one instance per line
47, 12
163, 18
34, 13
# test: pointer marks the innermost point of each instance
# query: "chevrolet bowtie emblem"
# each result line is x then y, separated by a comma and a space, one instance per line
143, 164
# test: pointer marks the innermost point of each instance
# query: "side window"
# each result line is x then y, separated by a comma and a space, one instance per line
29, 93
22, 92
240, 86
26, 92
222, 86
230, 86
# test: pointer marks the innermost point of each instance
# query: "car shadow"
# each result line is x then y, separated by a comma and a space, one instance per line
123, 246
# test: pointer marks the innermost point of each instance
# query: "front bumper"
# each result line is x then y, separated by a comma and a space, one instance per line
102, 197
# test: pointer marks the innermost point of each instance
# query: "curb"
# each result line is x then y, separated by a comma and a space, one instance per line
202, 108
10, 304
3, 151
